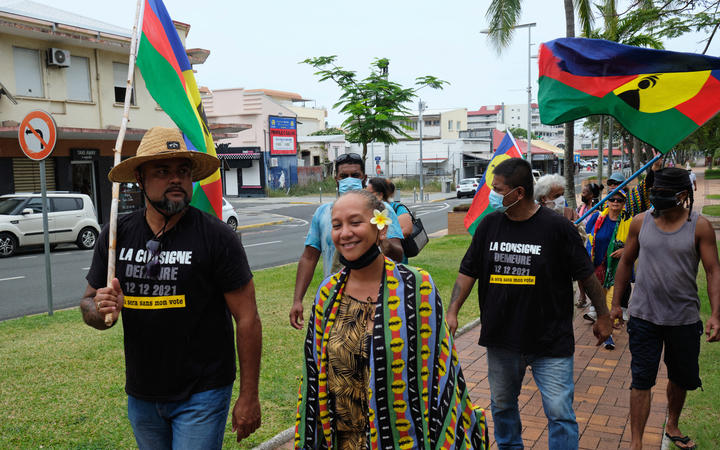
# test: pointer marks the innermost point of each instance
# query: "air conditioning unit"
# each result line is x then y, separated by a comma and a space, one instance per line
58, 57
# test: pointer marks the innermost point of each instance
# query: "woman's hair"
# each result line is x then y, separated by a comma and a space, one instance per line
545, 184
391, 187
372, 202
595, 189
380, 186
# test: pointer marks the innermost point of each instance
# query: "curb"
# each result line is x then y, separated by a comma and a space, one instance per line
263, 224
285, 436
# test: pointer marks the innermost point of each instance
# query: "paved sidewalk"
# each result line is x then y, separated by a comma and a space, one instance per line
602, 392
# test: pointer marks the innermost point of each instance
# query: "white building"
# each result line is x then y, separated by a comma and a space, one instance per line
504, 116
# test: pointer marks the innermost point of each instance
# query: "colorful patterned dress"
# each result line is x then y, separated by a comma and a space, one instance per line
416, 394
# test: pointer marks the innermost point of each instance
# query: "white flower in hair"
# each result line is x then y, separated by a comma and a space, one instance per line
381, 219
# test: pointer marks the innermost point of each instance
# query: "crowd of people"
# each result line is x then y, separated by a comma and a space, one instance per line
380, 366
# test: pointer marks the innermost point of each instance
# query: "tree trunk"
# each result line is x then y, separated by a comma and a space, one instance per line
631, 151
364, 155
600, 151
637, 146
570, 126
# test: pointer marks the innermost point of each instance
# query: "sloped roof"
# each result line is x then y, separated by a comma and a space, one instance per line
538, 147
35, 10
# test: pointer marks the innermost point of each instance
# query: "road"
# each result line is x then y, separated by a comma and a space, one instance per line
22, 277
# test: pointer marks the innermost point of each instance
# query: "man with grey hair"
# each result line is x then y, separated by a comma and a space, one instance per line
550, 192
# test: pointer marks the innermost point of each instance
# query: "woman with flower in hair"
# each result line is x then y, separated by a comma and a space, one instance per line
381, 370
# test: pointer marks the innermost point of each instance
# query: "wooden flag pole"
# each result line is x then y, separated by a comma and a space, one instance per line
118, 150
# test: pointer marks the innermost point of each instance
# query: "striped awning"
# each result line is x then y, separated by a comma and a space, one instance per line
246, 155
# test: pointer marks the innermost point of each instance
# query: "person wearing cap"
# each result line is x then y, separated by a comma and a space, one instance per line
637, 198
668, 244
349, 176
181, 278
607, 232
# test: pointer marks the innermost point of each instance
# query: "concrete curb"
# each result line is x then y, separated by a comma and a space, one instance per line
285, 436
263, 224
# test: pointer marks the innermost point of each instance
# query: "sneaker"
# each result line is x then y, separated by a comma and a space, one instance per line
626, 316
590, 315
610, 343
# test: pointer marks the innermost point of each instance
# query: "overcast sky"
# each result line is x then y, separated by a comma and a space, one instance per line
258, 44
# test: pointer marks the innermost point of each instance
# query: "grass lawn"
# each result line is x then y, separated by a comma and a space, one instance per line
713, 196
701, 415
62, 382
711, 210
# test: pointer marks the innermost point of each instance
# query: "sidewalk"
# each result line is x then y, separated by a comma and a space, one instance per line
602, 392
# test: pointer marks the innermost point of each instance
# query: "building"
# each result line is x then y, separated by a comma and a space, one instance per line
504, 116
250, 160
75, 68
437, 124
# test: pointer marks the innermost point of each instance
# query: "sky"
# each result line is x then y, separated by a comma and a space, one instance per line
259, 44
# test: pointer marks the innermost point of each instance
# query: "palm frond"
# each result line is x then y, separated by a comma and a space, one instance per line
583, 9
502, 16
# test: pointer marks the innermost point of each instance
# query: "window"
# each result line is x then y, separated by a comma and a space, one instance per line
428, 123
120, 71
35, 204
457, 125
66, 204
28, 72
449, 124
78, 79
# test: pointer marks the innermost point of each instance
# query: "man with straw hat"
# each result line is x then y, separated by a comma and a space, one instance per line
180, 275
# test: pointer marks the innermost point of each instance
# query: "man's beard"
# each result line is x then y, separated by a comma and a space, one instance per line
169, 206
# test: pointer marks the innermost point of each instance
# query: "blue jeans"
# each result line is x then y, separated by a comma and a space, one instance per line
198, 422
554, 378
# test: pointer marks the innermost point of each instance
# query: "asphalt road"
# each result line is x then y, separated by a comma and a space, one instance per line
22, 277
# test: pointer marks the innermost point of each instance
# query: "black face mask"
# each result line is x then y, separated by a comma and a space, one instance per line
363, 261
662, 202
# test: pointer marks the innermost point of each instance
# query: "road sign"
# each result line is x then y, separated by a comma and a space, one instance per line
37, 135
377, 159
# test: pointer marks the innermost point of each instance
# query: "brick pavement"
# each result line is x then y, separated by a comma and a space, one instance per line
602, 392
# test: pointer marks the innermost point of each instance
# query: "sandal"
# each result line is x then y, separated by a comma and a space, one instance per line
680, 439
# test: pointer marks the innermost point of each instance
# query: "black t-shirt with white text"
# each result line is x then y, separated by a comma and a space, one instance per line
525, 271
178, 332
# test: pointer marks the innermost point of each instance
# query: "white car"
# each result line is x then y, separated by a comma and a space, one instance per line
71, 218
229, 216
467, 187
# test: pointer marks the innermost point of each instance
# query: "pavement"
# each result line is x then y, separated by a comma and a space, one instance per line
252, 211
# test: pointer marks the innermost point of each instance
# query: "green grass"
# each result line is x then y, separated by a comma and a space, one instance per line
713, 196
62, 382
711, 210
327, 185
712, 174
701, 415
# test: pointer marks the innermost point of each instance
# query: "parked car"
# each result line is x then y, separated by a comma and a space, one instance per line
467, 187
229, 216
71, 218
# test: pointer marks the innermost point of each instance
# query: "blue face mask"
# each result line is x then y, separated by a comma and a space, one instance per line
349, 184
496, 201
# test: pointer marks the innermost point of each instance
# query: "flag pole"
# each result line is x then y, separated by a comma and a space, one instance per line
117, 150
622, 185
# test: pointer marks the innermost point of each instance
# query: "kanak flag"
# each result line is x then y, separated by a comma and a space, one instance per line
659, 96
480, 206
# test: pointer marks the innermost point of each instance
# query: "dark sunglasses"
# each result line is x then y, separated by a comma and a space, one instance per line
616, 200
345, 157
152, 267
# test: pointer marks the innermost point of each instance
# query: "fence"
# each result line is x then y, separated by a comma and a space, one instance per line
309, 174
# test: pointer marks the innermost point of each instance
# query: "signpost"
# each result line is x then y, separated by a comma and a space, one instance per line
37, 135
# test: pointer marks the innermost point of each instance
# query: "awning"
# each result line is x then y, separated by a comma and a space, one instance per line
239, 155
433, 160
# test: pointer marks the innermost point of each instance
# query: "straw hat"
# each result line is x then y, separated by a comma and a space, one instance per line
164, 143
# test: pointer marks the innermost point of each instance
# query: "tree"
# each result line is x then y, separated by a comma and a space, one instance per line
503, 15
705, 140
376, 108
328, 132
522, 133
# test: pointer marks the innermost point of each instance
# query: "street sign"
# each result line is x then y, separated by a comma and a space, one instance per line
37, 135
377, 159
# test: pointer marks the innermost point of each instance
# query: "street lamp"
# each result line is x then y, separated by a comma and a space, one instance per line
421, 107
529, 87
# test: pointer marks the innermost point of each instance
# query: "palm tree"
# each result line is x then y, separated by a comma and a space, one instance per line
503, 15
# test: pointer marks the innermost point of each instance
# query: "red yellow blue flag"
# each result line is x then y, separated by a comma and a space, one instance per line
658, 96
480, 206
169, 78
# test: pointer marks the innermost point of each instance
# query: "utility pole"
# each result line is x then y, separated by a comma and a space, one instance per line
385, 72
421, 108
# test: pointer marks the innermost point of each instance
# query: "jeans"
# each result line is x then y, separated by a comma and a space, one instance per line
554, 379
198, 422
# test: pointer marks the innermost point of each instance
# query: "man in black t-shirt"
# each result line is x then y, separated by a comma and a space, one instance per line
181, 277
525, 257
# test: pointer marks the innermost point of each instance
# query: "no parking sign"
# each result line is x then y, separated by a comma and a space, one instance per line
37, 135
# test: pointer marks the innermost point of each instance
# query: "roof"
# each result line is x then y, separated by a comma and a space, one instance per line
35, 10
594, 152
486, 111
274, 93
538, 147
